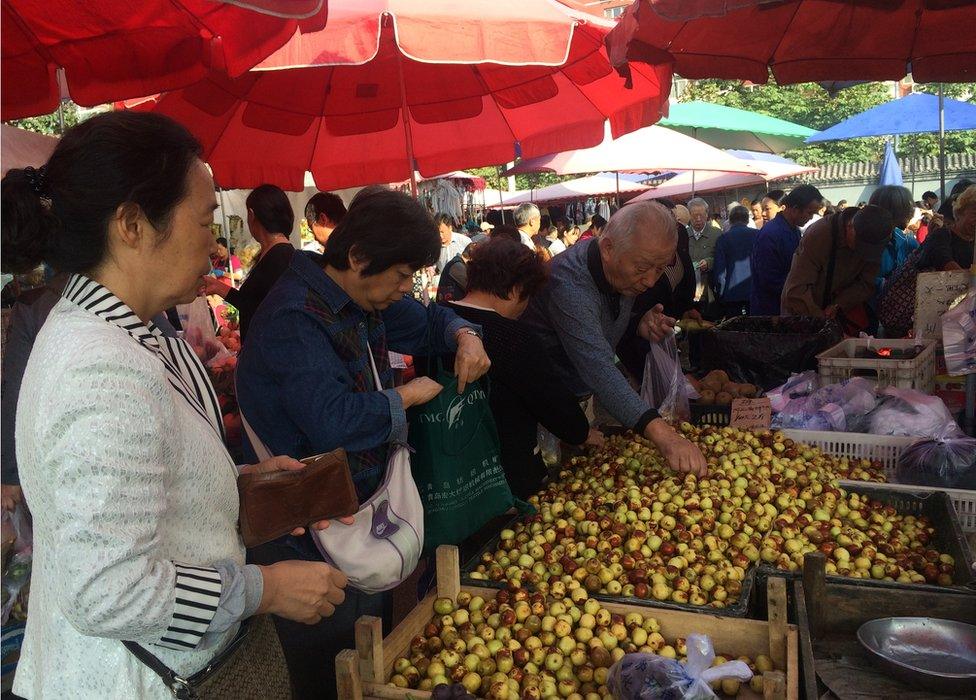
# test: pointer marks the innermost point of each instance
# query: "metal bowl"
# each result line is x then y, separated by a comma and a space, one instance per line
939, 655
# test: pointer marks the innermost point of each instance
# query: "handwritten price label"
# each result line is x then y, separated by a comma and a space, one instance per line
751, 413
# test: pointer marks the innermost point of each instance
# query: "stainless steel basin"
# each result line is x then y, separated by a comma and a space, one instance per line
938, 655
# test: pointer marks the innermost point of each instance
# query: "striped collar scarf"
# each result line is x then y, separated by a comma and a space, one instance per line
184, 371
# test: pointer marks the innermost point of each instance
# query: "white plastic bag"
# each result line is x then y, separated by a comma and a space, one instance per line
959, 336
652, 677
665, 386
910, 412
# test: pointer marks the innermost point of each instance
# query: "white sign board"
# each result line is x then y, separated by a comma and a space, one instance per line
935, 292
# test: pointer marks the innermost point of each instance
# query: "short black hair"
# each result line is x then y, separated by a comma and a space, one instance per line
506, 231
271, 207
775, 195
59, 213
929, 193
598, 222
326, 203
500, 265
802, 196
386, 228
222, 241
443, 218
739, 215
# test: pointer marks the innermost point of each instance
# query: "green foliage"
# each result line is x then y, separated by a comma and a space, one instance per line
49, 123
811, 105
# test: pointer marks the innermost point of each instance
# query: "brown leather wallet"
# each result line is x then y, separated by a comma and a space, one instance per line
274, 504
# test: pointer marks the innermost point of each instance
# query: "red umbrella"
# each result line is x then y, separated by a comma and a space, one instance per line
802, 40
474, 78
111, 50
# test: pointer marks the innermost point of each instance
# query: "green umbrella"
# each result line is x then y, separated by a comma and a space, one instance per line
727, 127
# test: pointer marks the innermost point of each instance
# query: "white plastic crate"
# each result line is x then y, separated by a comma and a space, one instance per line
886, 449
840, 363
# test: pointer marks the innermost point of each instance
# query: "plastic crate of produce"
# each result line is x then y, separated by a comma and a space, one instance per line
740, 608
949, 538
841, 362
886, 449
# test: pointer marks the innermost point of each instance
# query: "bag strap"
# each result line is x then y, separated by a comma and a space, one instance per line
372, 364
186, 688
832, 262
261, 450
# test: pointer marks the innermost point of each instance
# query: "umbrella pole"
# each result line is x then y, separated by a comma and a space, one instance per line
223, 217
501, 199
618, 188
406, 124
942, 190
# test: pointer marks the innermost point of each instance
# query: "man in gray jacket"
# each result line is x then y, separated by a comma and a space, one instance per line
585, 309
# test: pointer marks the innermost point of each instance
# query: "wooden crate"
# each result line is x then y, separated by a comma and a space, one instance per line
363, 673
829, 614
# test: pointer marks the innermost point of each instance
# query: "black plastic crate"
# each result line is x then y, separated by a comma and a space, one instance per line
710, 413
743, 607
949, 539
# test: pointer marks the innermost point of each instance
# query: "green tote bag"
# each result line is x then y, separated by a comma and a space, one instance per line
456, 463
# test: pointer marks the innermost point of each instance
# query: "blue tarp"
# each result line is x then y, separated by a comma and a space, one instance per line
915, 113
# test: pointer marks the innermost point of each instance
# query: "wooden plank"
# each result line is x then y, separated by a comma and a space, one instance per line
448, 572
389, 692
774, 685
398, 643
348, 682
814, 588
792, 663
748, 637
369, 647
776, 596
806, 643
848, 607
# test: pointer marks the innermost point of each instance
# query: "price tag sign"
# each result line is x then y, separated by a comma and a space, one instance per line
751, 413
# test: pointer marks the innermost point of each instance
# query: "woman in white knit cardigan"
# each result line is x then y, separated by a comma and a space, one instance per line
119, 435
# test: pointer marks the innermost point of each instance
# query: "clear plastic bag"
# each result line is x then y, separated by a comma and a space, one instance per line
949, 462
798, 385
832, 407
665, 386
652, 677
18, 547
197, 321
549, 446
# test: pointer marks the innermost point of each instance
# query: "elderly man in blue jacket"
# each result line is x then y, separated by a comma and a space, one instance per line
776, 243
732, 272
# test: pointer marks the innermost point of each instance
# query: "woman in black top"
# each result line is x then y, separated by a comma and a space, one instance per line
270, 220
951, 247
524, 389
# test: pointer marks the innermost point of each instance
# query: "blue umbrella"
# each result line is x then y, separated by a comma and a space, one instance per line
913, 114
890, 170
